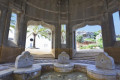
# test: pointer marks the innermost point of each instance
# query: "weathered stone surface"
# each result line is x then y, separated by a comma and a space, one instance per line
63, 67
101, 74
104, 61
24, 60
31, 73
63, 58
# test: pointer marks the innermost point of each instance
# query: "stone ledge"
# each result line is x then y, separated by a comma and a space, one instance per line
34, 68
101, 74
63, 67
80, 67
6, 72
91, 70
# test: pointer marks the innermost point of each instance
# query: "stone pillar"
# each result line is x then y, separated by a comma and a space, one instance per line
108, 31
2, 23
73, 43
58, 36
109, 38
17, 29
22, 26
7, 26
69, 40
22, 31
53, 42
57, 40
67, 36
3, 16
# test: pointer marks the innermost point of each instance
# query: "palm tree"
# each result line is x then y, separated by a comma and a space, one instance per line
63, 35
38, 31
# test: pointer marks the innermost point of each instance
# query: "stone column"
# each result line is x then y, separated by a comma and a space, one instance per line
58, 36
57, 40
69, 40
74, 40
108, 30
23, 26
22, 31
109, 38
17, 29
53, 42
2, 23
67, 36
7, 26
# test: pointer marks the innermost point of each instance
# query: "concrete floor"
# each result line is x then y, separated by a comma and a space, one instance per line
37, 53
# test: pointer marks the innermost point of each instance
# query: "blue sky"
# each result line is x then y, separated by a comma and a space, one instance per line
95, 28
116, 19
14, 18
89, 28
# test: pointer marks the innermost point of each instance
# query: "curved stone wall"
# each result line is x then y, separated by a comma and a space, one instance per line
57, 12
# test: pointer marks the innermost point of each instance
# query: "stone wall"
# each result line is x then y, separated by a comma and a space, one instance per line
114, 52
9, 54
56, 12
9, 50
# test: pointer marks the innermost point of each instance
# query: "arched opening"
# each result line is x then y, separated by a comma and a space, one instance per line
87, 40
89, 37
39, 39
116, 21
13, 25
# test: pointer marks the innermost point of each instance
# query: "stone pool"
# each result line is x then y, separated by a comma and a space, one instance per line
64, 76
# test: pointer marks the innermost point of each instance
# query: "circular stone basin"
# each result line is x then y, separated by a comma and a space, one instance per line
63, 67
64, 76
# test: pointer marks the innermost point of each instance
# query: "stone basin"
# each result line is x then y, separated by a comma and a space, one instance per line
63, 67
79, 68
27, 73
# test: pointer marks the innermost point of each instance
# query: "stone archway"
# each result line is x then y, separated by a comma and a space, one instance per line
75, 27
49, 26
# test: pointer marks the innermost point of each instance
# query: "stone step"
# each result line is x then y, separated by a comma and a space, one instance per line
46, 56
84, 58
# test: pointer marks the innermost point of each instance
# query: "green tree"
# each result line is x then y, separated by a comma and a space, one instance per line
12, 22
96, 33
100, 42
38, 31
79, 39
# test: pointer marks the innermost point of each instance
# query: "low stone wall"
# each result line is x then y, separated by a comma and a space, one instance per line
9, 54
80, 67
90, 70
6, 74
114, 52
47, 67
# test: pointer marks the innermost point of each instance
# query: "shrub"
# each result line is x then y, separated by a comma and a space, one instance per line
89, 39
118, 39
79, 38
